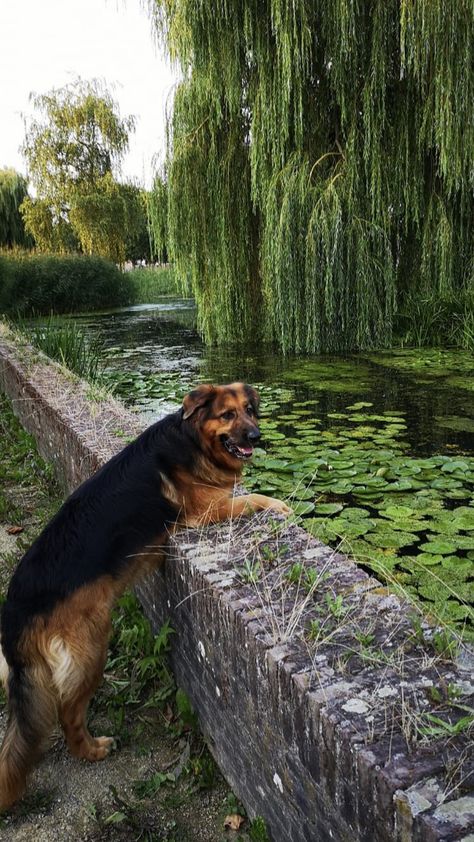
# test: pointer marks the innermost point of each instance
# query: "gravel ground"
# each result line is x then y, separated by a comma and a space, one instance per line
69, 799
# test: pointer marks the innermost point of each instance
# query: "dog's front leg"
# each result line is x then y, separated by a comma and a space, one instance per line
226, 508
247, 504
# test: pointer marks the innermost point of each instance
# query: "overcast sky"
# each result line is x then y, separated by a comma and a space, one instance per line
48, 43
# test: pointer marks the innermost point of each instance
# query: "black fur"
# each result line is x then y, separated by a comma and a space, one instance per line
107, 519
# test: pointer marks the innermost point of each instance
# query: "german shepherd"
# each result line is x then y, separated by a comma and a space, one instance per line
55, 623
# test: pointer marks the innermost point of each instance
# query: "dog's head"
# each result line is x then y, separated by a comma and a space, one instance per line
225, 418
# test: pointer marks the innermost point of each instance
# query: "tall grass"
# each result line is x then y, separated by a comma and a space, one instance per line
434, 320
66, 342
152, 283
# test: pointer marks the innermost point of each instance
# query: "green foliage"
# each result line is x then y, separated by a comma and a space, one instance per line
319, 164
186, 716
157, 208
434, 319
13, 191
149, 787
137, 672
67, 344
445, 729
72, 152
108, 218
258, 830
150, 284
137, 237
43, 283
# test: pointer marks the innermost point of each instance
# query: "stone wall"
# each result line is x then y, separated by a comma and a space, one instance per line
312, 682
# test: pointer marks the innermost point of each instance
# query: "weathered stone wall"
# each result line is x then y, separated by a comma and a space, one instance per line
312, 684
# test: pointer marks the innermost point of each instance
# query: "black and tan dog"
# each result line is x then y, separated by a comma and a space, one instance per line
55, 623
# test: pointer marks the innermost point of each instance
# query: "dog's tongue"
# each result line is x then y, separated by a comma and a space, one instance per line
246, 451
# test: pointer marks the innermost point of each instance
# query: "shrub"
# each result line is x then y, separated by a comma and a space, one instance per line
61, 284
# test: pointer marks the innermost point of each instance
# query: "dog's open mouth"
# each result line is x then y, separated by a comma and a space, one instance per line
237, 450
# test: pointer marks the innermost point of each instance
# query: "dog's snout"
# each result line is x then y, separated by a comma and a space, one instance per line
253, 435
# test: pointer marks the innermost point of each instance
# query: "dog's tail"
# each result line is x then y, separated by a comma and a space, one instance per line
32, 710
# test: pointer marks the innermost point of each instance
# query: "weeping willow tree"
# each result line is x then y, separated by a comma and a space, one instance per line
13, 190
320, 163
157, 216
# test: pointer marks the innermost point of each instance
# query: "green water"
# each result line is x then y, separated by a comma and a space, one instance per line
376, 452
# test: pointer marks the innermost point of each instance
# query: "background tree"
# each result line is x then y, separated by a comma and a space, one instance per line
13, 191
138, 243
107, 217
320, 163
73, 152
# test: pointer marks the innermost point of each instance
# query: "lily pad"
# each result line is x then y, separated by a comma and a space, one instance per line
391, 538
397, 512
438, 547
328, 508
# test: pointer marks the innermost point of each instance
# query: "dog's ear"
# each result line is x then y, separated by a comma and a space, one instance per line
253, 396
197, 398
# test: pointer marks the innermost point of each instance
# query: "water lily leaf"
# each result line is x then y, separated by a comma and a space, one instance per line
391, 538
446, 483
464, 515
355, 528
400, 485
359, 405
303, 508
455, 465
465, 542
460, 568
411, 525
438, 547
328, 508
355, 513
428, 558
397, 512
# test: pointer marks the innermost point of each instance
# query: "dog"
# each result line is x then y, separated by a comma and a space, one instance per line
56, 621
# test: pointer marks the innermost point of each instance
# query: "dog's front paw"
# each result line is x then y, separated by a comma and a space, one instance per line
279, 506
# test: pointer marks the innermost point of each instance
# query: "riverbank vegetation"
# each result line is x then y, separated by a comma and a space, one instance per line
150, 284
319, 176
33, 283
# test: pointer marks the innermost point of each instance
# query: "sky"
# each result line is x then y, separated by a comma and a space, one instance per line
48, 43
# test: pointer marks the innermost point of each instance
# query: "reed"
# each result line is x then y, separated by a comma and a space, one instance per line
66, 342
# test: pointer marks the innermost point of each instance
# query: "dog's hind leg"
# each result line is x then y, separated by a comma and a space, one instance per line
74, 703
32, 714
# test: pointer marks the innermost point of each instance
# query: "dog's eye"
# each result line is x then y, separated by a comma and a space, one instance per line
250, 410
229, 415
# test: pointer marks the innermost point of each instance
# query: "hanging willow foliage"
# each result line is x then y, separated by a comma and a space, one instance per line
13, 191
320, 163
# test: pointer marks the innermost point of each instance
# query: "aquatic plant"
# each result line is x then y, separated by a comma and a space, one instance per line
319, 164
67, 343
